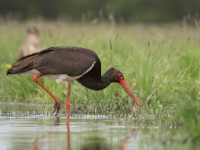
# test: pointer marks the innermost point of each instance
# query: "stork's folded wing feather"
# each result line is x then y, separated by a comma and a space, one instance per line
64, 60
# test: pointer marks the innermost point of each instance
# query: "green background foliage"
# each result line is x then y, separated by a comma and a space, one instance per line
87, 10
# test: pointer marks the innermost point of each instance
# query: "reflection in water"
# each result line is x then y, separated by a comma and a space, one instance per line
68, 134
58, 133
40, 143
92, 143
131, 138
56, 120
95, 143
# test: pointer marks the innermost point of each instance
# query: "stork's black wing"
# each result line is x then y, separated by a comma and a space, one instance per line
72, 61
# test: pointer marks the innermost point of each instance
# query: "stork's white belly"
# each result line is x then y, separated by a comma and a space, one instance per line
60, 77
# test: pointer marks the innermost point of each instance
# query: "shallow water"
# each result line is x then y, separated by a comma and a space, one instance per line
25, 126
81, 133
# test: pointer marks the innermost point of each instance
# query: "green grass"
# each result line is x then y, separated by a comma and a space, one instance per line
160, 63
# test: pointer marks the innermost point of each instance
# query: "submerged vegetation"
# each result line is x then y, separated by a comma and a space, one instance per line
160, 63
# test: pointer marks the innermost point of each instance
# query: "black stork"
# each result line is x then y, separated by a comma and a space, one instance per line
67, 64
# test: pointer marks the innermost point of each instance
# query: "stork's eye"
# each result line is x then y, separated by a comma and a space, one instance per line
121, 77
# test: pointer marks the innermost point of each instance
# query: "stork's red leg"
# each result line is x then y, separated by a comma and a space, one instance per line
68, 100
57, 102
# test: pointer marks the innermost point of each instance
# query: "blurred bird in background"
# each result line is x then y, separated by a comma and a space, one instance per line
32, 44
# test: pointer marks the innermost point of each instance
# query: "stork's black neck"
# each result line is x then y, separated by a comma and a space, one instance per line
94, 83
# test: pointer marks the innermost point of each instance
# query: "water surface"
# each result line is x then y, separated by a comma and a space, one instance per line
25, 126
81, 133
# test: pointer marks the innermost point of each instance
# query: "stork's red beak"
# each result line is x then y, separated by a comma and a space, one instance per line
128, 90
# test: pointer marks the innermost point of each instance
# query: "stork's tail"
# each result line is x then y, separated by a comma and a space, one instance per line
22, 65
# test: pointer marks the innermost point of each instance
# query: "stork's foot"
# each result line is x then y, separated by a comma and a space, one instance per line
56, 109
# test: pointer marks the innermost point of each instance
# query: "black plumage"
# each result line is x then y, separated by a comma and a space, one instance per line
58, 60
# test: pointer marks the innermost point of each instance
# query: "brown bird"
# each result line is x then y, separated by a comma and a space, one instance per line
67, 64
32, 43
